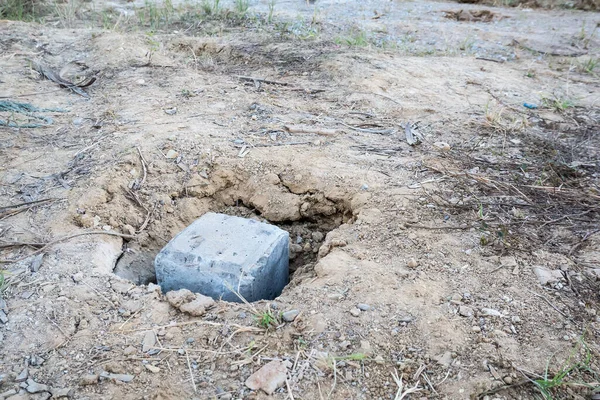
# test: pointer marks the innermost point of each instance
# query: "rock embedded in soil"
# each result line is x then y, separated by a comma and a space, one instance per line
363, 307
149, 341
268, 378
22, 377
412, 263
290, 316
60, 392
218, 253
546, 276
87, 380
34, 387
465, 311
355, 312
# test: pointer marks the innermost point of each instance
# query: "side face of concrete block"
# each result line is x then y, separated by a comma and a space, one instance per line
217, 251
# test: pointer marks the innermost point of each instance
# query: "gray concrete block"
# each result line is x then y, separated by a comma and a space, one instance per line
219, 250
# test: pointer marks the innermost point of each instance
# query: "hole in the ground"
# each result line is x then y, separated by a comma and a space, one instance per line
306, 235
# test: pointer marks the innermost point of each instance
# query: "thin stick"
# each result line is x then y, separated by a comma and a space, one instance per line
334, 380
27, 203
187, 356
252, 79
143, 166
287, 383
549, 303
62, 239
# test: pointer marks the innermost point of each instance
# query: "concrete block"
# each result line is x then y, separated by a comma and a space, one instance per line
219, 250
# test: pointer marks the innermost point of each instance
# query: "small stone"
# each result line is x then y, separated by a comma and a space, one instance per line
508, 380
355, 312
379, 359
152, 368
87, 380
317, 236
149, 341
515, 319
412, 263
508, 261
546, 276
3, 317
456, 298
465, 311
36, 263
177, 297
295, 248
171, 154
8, 393
22, 377
118, 377
34, 387
269, 377
490, 312
365, 347
290, 315
60, 392
363, 307
198, 306
129, 350
36, 361
345, 344
26, 295
476, 329
443, 146
190, 340
78, 277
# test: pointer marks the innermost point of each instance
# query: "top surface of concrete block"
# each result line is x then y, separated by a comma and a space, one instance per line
218, 251
235, 240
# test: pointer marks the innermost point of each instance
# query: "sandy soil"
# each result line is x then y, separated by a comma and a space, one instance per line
474, 254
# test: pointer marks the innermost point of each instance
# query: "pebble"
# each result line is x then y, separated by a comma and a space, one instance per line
78, 277
3, 317
295, 248
152, 368
60, 392
412, 263
365, 347
129, 350
34, 387
379, 360
546, 276
317, 236
171, 154
181, 352
490, 312
119, 377
442, 146
290, 315
465, 311
355, 312
363, 307
149, 341
36, 361
22, 377
87, 380
444, 359
268, 378
190, 340
476, 329
508, 380
515, 319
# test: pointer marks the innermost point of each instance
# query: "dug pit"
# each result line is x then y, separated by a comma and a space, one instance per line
307, 213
